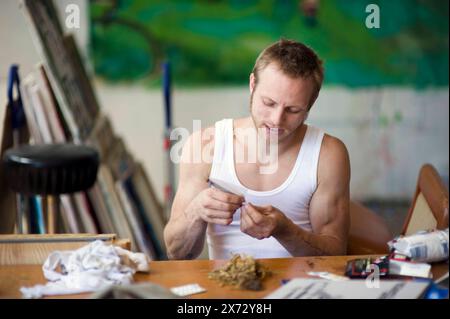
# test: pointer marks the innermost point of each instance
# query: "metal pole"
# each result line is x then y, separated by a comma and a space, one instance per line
169, 186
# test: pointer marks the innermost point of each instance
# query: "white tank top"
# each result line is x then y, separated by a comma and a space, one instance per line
292, 197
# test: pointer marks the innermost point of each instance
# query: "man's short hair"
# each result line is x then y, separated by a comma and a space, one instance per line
295, 59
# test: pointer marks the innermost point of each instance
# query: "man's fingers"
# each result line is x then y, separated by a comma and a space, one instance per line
219, 214
219, 205
263, 209
247, 226
217, 217
253, 214
245, 219
226, 197
218, 221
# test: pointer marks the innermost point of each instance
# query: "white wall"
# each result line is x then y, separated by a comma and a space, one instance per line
16, 44
385, 159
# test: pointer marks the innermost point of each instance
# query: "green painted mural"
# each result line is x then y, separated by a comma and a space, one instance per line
215, 42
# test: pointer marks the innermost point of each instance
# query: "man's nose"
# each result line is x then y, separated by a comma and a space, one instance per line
277, 116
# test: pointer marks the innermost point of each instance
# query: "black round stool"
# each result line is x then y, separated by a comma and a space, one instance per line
49, 170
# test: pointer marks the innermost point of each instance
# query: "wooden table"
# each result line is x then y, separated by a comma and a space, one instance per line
175, 273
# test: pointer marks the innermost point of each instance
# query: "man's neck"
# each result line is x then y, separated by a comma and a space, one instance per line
292, 140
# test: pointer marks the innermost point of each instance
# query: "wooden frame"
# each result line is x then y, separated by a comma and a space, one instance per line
433, 190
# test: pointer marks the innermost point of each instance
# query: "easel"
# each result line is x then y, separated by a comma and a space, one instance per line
15, 131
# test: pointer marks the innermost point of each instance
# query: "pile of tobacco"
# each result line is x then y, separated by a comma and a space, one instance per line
241, 272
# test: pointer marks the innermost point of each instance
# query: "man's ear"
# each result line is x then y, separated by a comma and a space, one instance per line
252, 83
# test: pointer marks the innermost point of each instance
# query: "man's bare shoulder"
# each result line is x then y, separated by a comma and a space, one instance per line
204, 136
334, 159
242, 122
199, 146
198, 151
204, 139
332, 146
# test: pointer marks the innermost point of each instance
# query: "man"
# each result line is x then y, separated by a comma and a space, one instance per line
300, 209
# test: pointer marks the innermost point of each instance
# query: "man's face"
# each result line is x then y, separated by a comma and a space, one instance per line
279, 104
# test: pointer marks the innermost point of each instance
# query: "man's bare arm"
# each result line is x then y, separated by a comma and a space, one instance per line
329, 208
195, 204
184, 235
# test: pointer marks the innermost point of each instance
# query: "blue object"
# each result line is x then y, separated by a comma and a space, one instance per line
167, 95
170, 182
39, 214
35, 217
434, 291
17, 112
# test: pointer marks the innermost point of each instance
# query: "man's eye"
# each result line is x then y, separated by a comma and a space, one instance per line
268, 103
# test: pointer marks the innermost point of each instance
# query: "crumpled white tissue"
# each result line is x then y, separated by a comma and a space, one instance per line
87, 269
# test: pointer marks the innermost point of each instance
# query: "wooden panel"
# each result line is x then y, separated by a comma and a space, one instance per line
422, 217
435, 194
34, 249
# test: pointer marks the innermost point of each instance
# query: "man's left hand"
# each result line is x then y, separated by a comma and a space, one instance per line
261, 221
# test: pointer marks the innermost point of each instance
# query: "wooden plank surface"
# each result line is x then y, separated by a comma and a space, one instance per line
22, 238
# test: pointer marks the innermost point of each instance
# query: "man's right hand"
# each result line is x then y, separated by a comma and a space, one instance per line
214, 206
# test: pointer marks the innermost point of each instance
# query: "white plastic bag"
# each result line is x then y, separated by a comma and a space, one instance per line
423, 246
